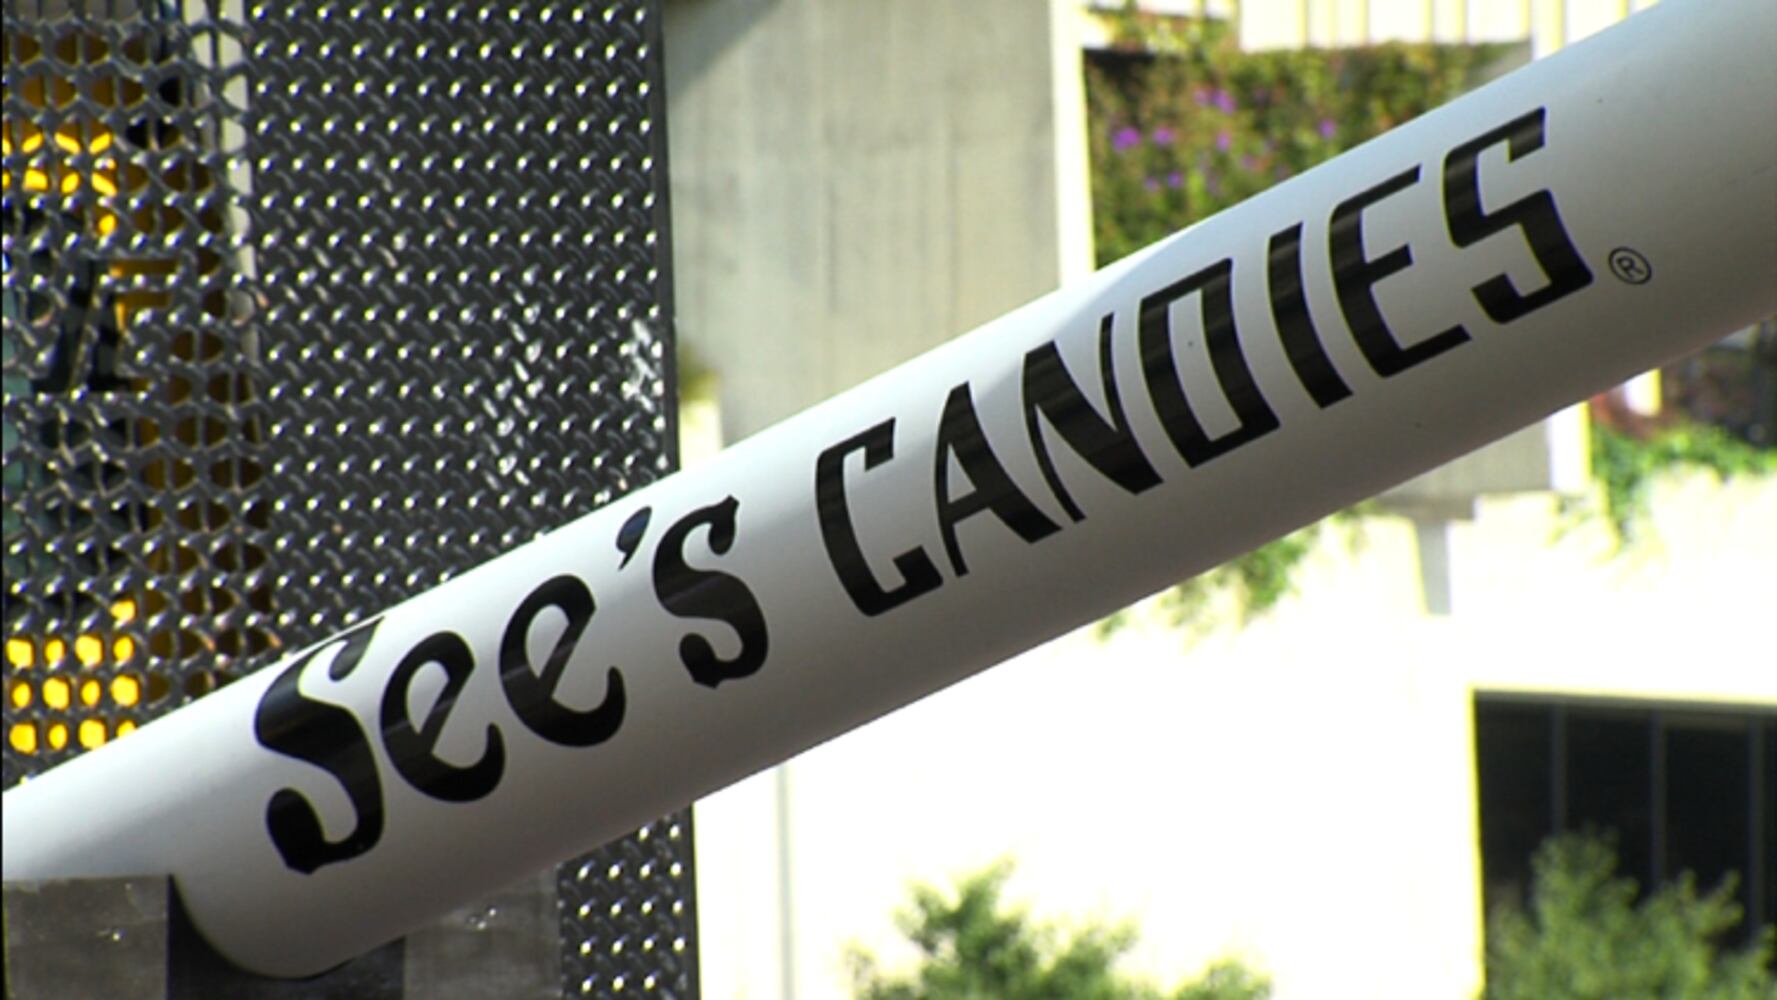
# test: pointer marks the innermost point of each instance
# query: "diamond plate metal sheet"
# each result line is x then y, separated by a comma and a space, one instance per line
309, 306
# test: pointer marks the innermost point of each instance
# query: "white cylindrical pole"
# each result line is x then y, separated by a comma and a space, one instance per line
1579, 221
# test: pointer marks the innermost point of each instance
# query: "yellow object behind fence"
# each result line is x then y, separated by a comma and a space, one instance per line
115, 199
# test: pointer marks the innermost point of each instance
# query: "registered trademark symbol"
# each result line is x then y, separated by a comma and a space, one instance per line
1630, 266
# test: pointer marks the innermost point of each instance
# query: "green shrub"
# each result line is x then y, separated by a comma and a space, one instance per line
972, 946
1184, 124
1626, 465
1584, 937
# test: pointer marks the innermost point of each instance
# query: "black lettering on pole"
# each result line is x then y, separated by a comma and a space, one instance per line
960, 434
330, 738
1534, 215
918, 574
694, 593
1289, 307
531, 692
1214, 286
413, 751
1355, 277
1108, 445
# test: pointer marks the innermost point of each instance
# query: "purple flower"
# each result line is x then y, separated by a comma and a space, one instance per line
1175, 180
1201, 96
1249, 162
1224, 140
1163, 136
1126, 138
1151, 184
1225, 102
1212, 184
1328, 128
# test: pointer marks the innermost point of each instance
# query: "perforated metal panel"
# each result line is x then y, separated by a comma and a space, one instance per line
308, 306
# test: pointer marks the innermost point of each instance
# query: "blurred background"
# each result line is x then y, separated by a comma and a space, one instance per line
1509, 728
1323, 769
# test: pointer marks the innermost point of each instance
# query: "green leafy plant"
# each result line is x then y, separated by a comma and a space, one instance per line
1184, 124
1626, 465
1584, 936
1249, 585
973, 946
1241, 589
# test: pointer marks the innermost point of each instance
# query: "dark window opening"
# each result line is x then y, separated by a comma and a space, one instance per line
1680, 789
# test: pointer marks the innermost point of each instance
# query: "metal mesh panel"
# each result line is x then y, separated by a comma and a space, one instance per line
628, 913
309, 306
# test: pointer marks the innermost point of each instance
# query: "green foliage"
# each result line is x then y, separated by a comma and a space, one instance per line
1226, 980
1584, 937
1248, 585
1257, 580
974, 947
1185, 125
1626, 465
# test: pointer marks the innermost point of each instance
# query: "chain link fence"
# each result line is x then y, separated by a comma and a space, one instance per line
308, 307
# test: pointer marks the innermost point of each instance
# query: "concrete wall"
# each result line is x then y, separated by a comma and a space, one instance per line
853, 183
1300, 793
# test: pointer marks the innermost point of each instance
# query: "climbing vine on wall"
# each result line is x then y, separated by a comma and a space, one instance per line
1626, 464
1183, 124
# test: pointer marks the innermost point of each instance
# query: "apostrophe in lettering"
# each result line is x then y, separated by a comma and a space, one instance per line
629, 537
695, 593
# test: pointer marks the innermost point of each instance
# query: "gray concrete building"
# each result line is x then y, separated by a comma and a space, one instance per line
853, 183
